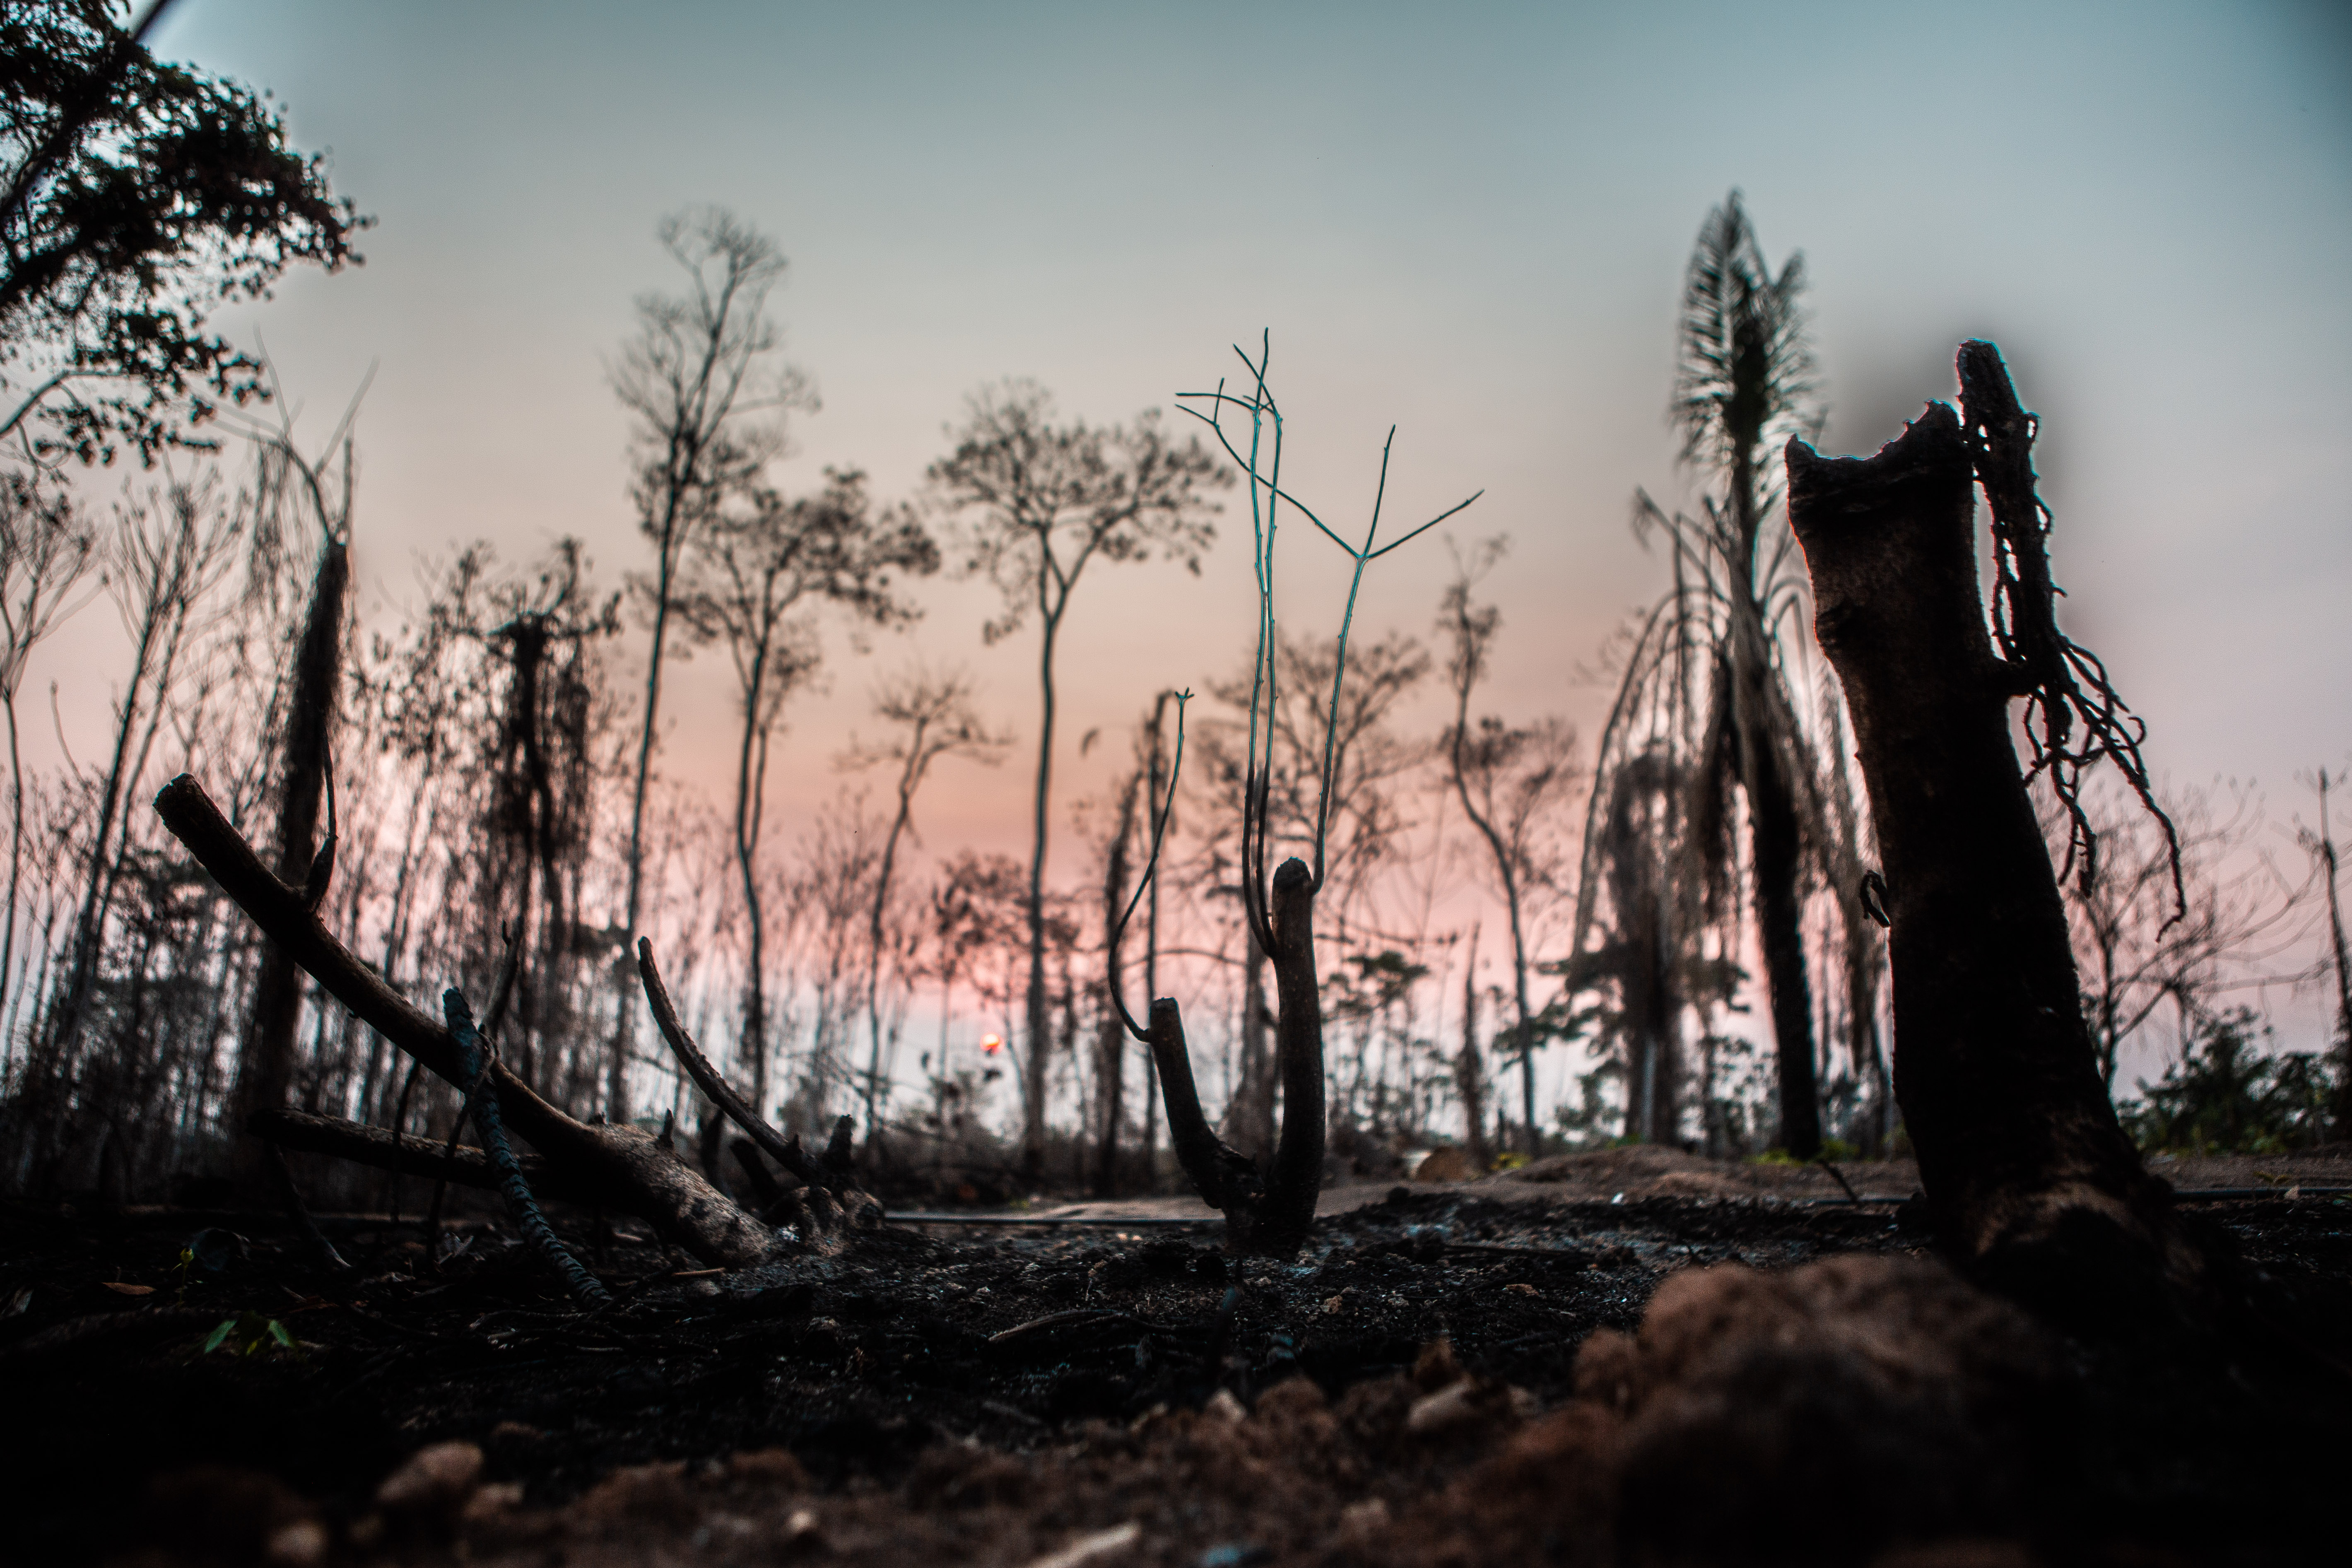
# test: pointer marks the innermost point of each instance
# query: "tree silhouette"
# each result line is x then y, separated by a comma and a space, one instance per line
695, 371
1036, 504
1509, 779
1705, 688
138, 195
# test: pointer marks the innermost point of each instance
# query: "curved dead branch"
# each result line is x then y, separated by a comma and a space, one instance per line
829, 1174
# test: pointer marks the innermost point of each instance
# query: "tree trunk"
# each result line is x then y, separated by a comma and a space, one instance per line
266, 1065
2025, 1168
1268, 1210
1470, 1068
1112, 1070
1041, 1037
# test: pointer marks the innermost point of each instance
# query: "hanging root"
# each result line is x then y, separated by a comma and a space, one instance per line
2063, 683
521, 1207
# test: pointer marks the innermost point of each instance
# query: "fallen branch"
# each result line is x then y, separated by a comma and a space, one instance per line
828, 1198
644, 1180
525, 1214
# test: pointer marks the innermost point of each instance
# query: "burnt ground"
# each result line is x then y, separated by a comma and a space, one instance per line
1408, 1390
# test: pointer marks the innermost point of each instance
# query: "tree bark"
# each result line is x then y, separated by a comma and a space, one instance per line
660, 1188
266, 1065
2025, 1168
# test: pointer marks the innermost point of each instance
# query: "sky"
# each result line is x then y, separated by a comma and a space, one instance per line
1467, 221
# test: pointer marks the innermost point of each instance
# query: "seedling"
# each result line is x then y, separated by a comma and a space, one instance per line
250, 1334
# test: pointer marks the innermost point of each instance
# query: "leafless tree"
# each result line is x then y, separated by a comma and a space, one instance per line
46, 548
291, 486
2321, 847
1268, 1208
932, 716
698, 370
753, 571
1037, 503
167, 553
2135, 946
1512, 782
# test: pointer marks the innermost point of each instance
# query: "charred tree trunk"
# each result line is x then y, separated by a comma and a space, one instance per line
266, 1063
1470, 1068
2026, 1169
1777, 844
1269, 1209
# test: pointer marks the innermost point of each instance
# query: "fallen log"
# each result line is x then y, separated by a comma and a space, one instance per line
643, 1178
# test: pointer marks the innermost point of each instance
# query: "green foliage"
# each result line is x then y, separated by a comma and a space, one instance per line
2228, 1095
251, 1334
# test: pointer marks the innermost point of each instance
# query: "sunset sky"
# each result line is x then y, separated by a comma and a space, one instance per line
1468, 220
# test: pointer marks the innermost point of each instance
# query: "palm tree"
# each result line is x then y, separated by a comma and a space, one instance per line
1706, 691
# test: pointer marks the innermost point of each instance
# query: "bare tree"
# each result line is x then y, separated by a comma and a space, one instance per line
934, 717
46, 548
1510, 781
168, 553
2136, 947
2024, 1164
1037, 503
751, 572
313, 686
1269, 1209
697, 370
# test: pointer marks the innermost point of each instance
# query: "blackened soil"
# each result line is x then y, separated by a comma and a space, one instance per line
1017, 1341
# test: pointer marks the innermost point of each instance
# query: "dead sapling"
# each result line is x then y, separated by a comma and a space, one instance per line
1268, 1211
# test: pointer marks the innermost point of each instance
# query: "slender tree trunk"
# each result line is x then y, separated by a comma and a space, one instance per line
266, 1063
16, 857
2024, 1165
1469, 1070
1041, 1040
751, 778
1112, 1068
910, 779
624, 964
2343, 1108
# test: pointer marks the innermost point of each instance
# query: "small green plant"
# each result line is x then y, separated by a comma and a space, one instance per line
250, 1334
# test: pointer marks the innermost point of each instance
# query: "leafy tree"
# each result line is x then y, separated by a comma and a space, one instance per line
1037, 503
2226, 1095
139, 195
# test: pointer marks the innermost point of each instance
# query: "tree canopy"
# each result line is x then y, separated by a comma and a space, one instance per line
140, 196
